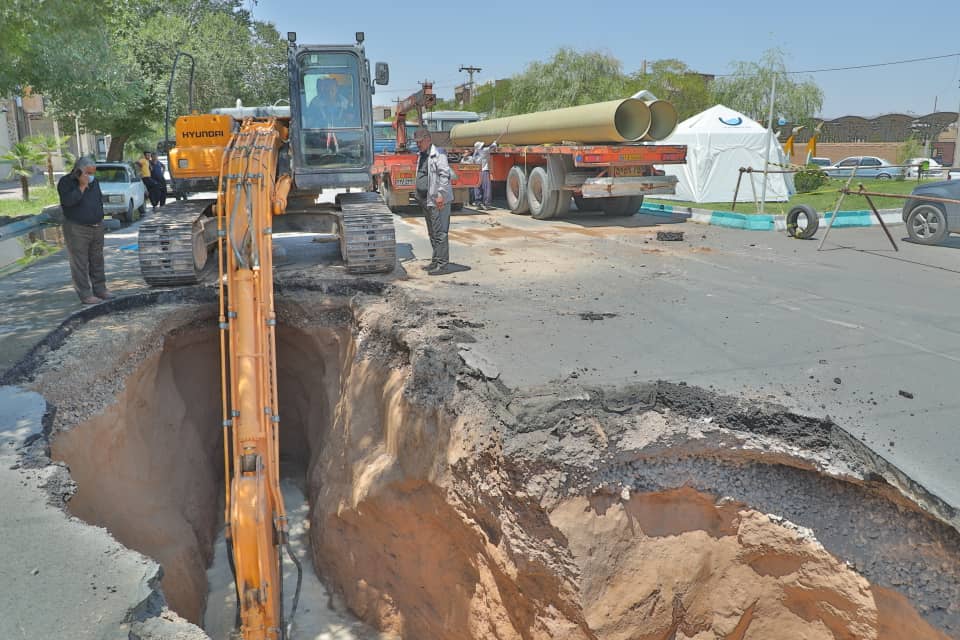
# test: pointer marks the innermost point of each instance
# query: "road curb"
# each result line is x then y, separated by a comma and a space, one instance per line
767, 222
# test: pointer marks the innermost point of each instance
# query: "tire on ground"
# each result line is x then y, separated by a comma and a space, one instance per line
616, 205
635, 203
927, 223
542, 199
516, 190
794, 216
128, 216
586, 204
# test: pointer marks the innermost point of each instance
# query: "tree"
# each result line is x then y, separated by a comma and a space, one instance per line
47, 146
23, 157
110, 66
568, 79
674, 81
747, 90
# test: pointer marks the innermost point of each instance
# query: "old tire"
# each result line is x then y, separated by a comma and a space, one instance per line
516, 191
128, 216
616, 205
635, 203
543, 200
802, 222
586, 204
927, 223
142, 208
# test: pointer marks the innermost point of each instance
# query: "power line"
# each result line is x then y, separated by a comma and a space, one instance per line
863, 66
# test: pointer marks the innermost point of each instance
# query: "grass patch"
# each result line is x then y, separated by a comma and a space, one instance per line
40, 197
824, 199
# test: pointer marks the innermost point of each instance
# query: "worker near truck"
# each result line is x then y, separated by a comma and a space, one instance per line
485, 189
82, 203
435, 195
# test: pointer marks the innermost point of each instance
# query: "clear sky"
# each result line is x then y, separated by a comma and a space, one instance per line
433, 39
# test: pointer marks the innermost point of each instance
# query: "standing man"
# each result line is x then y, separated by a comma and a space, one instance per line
82, 204
486, 190
143, 164
159, 180
435, 196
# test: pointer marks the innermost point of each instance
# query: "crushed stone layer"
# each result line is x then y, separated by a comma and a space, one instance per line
446, 505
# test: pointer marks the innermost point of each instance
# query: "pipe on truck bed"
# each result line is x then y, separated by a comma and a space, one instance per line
626, 120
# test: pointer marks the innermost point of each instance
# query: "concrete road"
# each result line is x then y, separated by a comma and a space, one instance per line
839, 332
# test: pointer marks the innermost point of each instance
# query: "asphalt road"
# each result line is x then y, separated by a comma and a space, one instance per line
838, 332
600, 299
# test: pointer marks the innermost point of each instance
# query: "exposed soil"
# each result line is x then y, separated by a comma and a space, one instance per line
443, 505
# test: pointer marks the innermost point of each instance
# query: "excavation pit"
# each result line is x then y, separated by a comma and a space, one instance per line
442, 505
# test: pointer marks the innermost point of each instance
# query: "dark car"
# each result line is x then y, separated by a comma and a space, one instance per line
930, 222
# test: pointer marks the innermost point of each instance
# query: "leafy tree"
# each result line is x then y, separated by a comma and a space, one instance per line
47, 146
568, 79
110, 65
747, 90
674, 81
24, 157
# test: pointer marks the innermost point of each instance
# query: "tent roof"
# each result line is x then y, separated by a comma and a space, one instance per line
719, 119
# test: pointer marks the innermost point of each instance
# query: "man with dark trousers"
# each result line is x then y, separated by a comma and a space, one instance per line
435, 195
82, 204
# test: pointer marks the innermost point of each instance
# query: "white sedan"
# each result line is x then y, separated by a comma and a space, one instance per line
124, 195
934, 169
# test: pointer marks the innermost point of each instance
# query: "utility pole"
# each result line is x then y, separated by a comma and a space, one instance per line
470, 70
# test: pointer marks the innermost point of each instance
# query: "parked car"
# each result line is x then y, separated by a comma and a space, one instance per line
124, 195
821, 162
930, 222
867, 167
934, 169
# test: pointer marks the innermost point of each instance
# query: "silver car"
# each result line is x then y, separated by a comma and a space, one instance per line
124, 195
867, 167
930, 222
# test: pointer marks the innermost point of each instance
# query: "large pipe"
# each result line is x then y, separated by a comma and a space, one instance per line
615, 121
663, 115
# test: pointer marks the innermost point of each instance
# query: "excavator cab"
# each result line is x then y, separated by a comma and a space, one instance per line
331, 132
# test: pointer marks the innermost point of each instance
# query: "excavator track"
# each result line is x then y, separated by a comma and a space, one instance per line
172, 246
368, 241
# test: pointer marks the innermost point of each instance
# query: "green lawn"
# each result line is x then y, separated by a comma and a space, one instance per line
824, 199
40, 197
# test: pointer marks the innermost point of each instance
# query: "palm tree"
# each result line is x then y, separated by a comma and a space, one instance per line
24, 157
48, 146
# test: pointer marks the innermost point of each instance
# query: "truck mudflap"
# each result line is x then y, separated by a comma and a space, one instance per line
638, 186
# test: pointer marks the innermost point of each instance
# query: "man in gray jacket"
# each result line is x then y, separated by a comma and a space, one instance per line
435, 195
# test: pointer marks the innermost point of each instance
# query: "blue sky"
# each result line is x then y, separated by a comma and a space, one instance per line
502, 37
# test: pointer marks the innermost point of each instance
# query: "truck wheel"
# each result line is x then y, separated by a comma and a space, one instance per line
616, 205
926, 223
586, 204
543, 200
802, 221
385, 192
516, 188
635, 203
128, 216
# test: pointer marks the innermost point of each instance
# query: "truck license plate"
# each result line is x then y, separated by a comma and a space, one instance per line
627, 172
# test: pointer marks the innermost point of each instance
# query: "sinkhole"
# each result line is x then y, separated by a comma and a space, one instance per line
428, 502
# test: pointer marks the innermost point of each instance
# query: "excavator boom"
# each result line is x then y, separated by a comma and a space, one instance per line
250, 193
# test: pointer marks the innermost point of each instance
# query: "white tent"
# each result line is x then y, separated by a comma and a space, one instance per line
720, 141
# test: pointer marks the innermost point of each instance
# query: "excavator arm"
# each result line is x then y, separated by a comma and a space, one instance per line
250, 193
423, 99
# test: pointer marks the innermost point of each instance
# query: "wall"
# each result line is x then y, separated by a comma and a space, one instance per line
837, 151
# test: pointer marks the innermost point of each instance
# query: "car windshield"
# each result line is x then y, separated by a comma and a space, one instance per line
331, 132
112, 174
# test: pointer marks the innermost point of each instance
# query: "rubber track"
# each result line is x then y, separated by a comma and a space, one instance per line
368, 241
166, 244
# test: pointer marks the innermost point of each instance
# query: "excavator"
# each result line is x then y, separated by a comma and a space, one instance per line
266, 164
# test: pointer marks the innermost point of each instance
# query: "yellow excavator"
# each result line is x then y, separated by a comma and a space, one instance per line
266, 165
